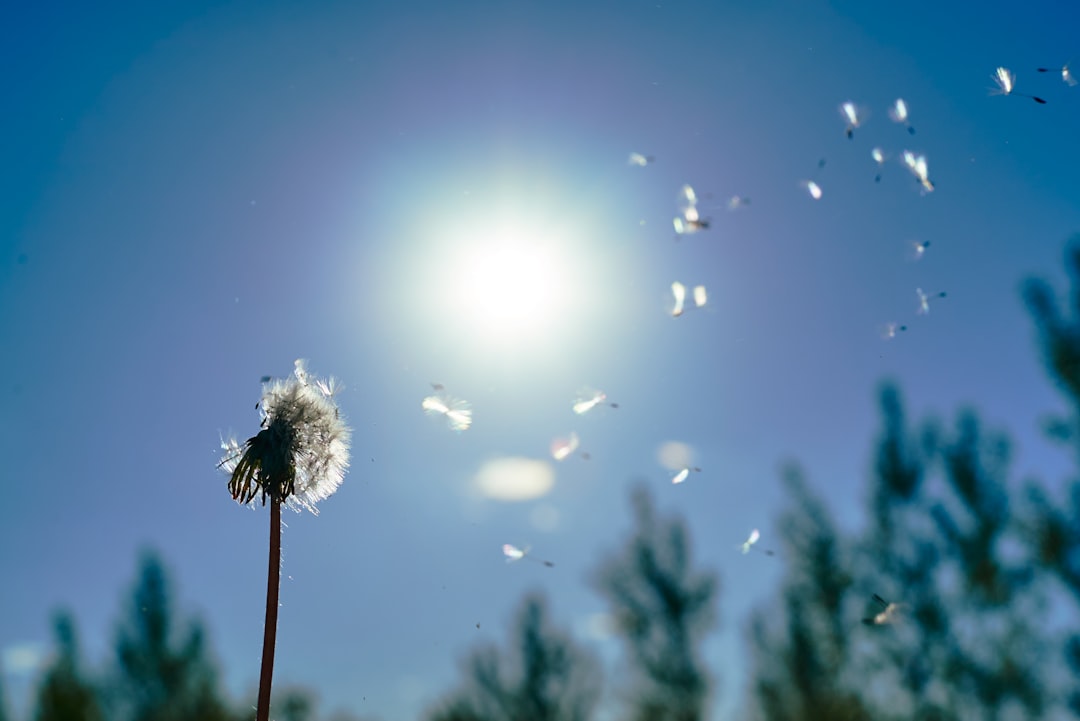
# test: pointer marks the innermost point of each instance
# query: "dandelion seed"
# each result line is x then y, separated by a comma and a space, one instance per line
457, 412
1005, 80
882, 612
899, 114
563, 448
918, 249
684, 474
889, 330
640, 160
689, 220
678, 290
298, 459
514, 554
924, 300
853, 116
1067, 76
737, 201
748, 544
918, 166
812, 188
587, 399
879, 157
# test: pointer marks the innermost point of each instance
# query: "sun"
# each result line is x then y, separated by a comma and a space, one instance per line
510, 285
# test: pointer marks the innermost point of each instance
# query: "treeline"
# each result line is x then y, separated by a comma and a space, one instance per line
958, 599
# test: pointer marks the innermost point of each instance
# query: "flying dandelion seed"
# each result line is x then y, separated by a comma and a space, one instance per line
737, 201
457, 412
812, 188
890, 330
514, 554
640, 160
924, 300
1067, 76
700, 296
882, 612
899, 114
918, 166
748, 544
1005, 80
684, 474
689, 219
918, 249
853, 116
563, 448
879, 157
588, 398
297, 459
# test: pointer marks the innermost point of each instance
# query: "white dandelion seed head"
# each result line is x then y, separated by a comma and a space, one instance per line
302, 452
813, 189
1067, 76
899, 111
458, 413
1005, 81
924, 302
878, 155
852, 114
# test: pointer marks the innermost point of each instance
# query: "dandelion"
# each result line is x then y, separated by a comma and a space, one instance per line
748, 544
588, 398
684, 474
298, 459
890, 330
514, 554
899, 114
919, 168
924, 300
737, 201
688, 220
640, 160
457, 412
1006, 85
1067, 76
882, 612
853, 116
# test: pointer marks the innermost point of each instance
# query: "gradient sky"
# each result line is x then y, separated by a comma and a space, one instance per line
196, 194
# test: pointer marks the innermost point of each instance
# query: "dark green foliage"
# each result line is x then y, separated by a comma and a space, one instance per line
546, 677
164, 670
64, 693
663, 608
4, 715
946, 545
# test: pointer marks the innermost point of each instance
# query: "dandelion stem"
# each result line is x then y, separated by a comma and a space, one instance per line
273, 586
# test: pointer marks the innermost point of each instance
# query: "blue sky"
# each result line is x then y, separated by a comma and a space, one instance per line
196, 194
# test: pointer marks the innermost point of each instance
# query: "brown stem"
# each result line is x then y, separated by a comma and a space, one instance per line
273, 585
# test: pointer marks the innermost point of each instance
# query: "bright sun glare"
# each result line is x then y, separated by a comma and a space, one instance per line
509, 285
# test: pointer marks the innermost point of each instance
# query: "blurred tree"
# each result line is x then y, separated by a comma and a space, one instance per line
64, 693
967, 635
545, 678
4, 716
1053, 525
164, 670
800, 648
662, 608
